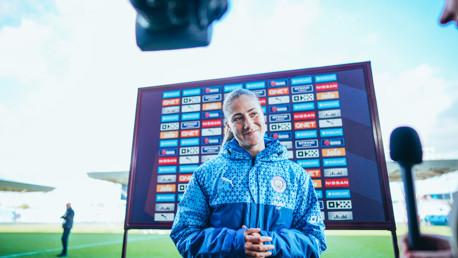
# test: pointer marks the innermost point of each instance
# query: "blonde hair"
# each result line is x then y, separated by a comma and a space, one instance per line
228, 100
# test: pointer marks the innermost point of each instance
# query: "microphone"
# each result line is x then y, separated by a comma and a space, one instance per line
405, 148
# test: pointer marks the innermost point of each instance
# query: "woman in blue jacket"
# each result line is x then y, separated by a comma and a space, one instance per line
250, 200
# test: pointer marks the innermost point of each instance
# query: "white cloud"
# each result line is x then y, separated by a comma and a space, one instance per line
412, 98
22, 51
371, 38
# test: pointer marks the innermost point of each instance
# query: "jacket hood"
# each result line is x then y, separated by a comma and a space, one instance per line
274, 151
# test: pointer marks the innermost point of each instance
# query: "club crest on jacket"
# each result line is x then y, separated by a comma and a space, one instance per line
278, 184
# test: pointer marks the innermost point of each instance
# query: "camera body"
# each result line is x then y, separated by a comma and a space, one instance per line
176, 24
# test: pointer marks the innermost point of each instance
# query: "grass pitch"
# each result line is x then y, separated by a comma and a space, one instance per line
106, 241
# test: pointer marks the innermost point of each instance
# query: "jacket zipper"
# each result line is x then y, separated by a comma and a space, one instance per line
253, 161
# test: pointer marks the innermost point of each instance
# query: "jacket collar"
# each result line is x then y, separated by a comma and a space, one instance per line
274, 151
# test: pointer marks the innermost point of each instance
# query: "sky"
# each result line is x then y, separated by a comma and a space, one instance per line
70, 72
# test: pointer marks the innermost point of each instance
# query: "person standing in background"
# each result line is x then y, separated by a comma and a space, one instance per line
67, 226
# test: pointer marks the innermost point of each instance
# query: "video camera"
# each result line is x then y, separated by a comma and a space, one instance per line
175, 24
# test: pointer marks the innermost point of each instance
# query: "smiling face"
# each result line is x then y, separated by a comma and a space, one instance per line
246, 121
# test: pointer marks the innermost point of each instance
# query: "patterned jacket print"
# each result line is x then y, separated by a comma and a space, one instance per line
234, 189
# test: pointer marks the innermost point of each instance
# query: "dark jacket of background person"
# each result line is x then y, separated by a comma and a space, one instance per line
68, 218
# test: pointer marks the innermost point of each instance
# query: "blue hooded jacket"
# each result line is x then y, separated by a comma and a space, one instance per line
234, 189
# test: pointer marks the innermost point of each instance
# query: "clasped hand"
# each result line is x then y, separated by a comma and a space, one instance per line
254, 243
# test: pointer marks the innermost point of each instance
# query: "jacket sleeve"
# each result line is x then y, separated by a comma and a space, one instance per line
306, 236
192, 233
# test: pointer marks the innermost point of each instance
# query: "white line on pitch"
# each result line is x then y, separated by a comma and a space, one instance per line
76, 247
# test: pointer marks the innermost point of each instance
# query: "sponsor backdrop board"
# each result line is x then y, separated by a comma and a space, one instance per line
326, 117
